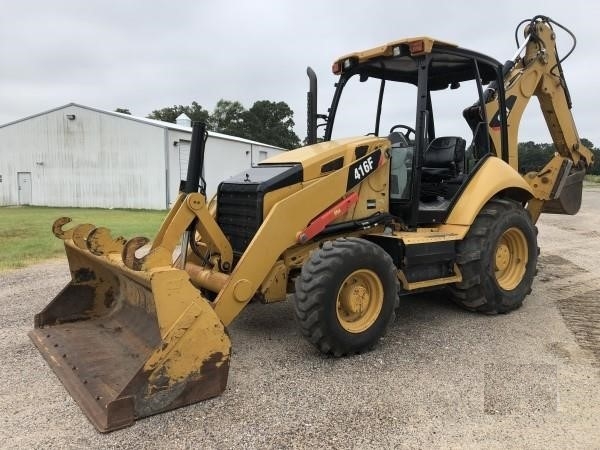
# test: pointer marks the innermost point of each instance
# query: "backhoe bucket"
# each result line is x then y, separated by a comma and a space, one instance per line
129, 343
569, 200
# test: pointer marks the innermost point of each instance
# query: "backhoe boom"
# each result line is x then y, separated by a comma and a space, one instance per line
539, 73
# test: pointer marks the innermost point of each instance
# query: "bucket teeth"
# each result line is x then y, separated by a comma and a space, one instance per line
80, 234
128, 253
57, 228
100, 242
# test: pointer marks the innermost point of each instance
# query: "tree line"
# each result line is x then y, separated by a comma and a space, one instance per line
266, 121
533, 156
273, 122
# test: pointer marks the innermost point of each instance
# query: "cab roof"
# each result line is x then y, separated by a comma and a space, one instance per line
395, 61
416, 45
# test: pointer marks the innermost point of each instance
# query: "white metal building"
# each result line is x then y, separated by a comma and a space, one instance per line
78, 156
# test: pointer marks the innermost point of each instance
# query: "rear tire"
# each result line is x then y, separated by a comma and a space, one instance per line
346, 296
497, 259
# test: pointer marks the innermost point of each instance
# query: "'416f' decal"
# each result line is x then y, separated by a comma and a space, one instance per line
362, 168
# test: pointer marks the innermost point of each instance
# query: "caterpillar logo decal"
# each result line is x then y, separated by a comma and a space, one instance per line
362, 168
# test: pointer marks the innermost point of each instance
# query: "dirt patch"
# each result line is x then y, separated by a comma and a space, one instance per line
582, 316
552, 267
524, 388
589, 234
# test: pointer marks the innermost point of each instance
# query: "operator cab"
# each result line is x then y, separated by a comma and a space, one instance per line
436, 148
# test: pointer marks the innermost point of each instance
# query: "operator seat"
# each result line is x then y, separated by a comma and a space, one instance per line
444, 159
442, 170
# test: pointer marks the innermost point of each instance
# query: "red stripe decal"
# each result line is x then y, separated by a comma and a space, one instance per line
319, 224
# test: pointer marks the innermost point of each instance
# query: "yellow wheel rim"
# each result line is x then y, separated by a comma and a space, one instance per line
511, 258
359, 301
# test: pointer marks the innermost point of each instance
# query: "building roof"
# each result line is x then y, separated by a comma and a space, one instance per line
153, 122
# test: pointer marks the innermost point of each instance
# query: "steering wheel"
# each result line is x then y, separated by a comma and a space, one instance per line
408, 132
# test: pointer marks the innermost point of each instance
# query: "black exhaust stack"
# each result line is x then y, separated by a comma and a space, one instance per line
194, 180
311, 108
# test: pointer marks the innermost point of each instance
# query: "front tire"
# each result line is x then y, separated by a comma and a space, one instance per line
497, 259
346, 296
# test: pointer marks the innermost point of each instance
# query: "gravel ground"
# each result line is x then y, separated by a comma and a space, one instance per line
442, 377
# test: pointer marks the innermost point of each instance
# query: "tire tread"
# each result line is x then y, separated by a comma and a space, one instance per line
473, 292
310, 291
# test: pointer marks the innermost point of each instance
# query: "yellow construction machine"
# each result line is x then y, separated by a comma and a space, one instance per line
422, 198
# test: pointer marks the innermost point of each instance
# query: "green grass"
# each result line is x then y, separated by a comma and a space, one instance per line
26, 232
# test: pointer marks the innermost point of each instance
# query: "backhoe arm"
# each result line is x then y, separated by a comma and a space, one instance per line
539, 73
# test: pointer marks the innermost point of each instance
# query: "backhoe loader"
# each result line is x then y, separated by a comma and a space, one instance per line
420, 199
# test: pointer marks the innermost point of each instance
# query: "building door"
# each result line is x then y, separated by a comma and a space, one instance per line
24, 185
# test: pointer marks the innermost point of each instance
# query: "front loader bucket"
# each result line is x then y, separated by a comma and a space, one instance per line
128, 343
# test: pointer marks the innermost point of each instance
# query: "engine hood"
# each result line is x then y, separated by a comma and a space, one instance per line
322, 158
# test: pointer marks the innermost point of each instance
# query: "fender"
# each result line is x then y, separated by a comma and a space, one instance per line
493, 177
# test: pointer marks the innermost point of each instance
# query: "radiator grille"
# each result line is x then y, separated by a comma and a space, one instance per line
239, 214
